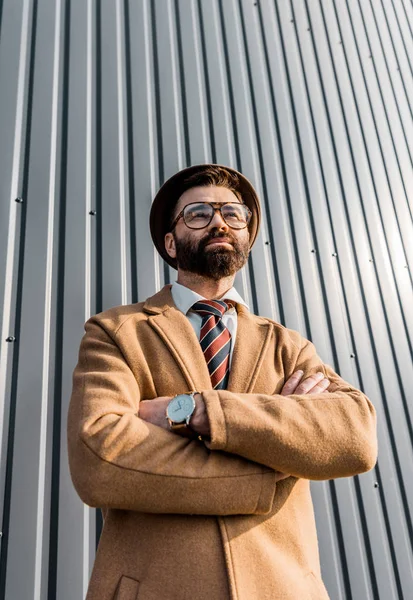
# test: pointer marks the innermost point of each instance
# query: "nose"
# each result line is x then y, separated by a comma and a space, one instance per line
218, 222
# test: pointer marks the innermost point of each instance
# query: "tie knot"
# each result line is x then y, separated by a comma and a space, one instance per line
212, 307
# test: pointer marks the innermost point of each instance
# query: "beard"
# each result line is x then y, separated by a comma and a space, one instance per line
214, 263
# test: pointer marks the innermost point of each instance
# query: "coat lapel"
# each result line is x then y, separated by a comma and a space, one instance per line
251, 344
179, 337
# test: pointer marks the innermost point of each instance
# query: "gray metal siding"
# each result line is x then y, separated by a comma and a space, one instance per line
100, 102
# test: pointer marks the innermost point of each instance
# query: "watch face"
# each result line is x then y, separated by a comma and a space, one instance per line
180, 408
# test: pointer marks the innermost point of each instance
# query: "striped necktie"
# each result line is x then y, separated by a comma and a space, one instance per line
215, 340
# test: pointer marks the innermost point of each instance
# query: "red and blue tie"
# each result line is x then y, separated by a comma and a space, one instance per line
215, 340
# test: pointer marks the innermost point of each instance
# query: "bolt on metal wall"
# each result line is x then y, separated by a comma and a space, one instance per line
100, 102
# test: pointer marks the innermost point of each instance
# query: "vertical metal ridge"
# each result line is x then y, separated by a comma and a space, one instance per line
88, 157
121, 151
148, 22
230, 90
97, 243
306, 318
366, 538
157, 94
200, 59
392, 545
176, 104
14, 220
203, 53
1, 15
92, 181
341, 544
130, 152
12, 420
181, 78
220, 103
152, 97
59, 328
48, 305
31, 38
159, 129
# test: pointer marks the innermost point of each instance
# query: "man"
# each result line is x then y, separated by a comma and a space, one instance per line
196, 426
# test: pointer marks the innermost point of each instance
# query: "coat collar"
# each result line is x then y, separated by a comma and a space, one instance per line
253, 337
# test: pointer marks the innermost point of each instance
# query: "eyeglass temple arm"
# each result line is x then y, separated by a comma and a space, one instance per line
175, 221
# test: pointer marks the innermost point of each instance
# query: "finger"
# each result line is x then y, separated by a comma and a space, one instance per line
320, 387
292, 383
308, 384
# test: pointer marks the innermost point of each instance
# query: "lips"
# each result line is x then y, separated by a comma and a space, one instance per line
218, 241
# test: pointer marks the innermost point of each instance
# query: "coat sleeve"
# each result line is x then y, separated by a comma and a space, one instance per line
117, 460
319, 436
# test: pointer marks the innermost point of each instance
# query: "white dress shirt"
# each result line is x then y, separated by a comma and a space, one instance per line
184, 298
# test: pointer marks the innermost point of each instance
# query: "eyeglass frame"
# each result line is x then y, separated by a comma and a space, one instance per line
216, 206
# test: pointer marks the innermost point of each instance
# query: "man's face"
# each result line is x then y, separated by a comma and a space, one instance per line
214, 252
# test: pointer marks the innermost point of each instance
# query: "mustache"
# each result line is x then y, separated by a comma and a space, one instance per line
216, 234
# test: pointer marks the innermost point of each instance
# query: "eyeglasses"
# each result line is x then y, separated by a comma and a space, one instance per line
198, 215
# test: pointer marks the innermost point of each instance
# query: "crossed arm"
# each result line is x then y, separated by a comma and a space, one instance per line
154, 411
313, 434
122, 456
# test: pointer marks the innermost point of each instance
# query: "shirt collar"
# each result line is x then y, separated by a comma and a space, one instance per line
184, 298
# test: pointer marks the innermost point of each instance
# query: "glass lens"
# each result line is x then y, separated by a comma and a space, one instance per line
198, 216
235, 215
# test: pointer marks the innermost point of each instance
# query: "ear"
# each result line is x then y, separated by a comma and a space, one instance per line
170, 244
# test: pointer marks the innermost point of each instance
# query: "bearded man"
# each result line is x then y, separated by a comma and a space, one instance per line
197, 426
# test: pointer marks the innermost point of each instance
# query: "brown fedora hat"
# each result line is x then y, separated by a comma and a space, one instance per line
170, 192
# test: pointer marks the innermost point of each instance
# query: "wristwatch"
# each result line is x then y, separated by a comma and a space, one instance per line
180, 410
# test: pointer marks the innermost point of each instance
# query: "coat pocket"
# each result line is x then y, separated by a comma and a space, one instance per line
127, 589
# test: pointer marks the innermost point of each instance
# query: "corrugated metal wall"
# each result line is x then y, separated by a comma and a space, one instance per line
101, 101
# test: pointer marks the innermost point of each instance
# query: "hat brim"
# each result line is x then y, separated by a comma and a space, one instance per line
169, 194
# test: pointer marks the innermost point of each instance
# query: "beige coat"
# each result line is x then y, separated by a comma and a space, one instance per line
183, 521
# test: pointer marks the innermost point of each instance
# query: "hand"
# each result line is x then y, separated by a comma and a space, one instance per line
199, 421
315, 384
154, 411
